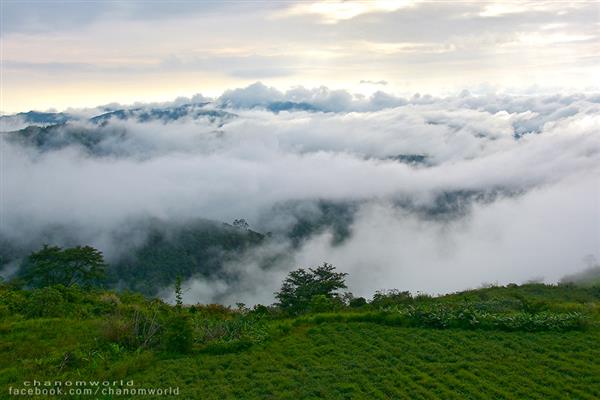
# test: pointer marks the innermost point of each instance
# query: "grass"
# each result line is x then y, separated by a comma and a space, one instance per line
371, 361
392, 351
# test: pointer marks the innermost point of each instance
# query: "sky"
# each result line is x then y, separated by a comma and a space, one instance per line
500, 100
60, 54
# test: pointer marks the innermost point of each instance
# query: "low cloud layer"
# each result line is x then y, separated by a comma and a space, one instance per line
534, 160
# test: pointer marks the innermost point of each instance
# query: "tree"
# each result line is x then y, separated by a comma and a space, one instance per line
178, 293
53, 265
301, 286
241, 224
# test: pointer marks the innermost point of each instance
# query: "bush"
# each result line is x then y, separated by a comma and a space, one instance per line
357, 302
532, 306
321, 303
13, 301
4, 311
260, 310
139, 331
120, 331
250, 327
178, 335
386, 298
444, 316
45, 302
211, 310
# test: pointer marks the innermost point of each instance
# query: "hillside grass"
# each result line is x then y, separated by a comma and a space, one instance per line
413, 348
370, 361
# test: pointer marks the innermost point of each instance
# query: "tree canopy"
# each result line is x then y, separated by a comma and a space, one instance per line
301, 286
53, 265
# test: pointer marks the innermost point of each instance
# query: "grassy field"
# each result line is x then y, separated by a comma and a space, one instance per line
366, 360
344, 354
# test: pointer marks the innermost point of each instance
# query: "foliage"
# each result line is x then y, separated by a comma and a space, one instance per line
531, 341
357, 302
178, 334
250, 328
200, 247
139, 331
301, 286
322, 303
440, 316
46, 302
53, 265
178, 293
385, 298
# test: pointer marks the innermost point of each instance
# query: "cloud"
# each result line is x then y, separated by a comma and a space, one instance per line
521, 170
61, 54
546, 232
321, 98
64, 15
332, 12
368, 82
543, 234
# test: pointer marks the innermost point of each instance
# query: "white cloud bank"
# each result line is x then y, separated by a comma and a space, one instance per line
541, 153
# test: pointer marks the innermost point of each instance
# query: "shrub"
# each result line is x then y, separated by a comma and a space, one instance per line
4, 311
357, 302
212, 310
259, 309
386, 298
533, 306
120, 331
45, 302
250, 327
177, 336
321, 303
14, 301
110, 298
141, 330
444, 316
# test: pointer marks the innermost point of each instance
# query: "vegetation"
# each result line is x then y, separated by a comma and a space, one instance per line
531, 341
200, 247
163, 251
55, 266
312, 288
588, 277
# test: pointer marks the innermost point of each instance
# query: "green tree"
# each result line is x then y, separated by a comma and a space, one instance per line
178, 293
53, 265
301, 286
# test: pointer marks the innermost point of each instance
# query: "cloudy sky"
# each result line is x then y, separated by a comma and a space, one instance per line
376, 82
58, 54
535, 159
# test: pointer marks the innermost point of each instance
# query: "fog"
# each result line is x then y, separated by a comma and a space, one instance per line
537, 159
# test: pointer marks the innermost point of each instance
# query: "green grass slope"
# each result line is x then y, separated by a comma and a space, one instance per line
366, 360
516, 342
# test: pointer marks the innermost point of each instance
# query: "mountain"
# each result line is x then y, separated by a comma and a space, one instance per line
196, 248
278, 106
215, 113
36, 118
167, 114
161, 252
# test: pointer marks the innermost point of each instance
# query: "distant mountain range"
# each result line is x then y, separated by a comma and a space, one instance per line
214, 112
168, 114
